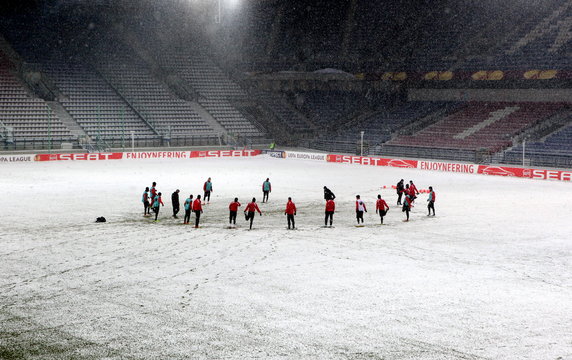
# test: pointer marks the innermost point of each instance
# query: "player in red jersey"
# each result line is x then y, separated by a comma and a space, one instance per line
197, 209
290, 212
233, 208
249, 211
153, 190
381, 207
413, 190
330, 209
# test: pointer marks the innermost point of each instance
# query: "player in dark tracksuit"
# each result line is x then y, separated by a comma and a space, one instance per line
233, 208
400, 190
290, 212
250, 210
431, 201
175, 202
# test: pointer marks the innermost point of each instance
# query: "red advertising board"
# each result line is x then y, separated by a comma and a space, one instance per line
447, 166
503, 171
156, 155
373, 161
90, 156
147, 155
551, 174
225, 153
561, 175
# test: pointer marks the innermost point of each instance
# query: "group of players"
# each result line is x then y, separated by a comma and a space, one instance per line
152, 200
409, 193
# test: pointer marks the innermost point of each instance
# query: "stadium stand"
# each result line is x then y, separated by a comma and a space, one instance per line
542, 40
131, 78
393, 37
555, 149
191, 63
544, 43
380, 126
478, 125
214, 87
229, 117
326, 108
284, 111
383, 124
94, 105
30, 119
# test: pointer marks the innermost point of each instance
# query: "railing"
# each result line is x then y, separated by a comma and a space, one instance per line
105, 143
212, 140
536, 159
347, 147
37, 144
6, 133
433, 153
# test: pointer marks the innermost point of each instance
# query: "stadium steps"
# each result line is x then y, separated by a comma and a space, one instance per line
131, 106
546, 128
267, 120
173, 83
494, 117
358, 121
9, 52
67, 120
557, 123
425, 121
539, 29
249, 113
283, 111
208, 118
193, 75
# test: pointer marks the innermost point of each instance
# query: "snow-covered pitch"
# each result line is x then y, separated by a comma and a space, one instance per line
490, 277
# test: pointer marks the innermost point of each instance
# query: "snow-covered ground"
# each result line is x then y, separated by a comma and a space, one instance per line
490, 277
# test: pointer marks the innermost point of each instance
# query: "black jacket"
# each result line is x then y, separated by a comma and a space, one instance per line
399, 187
175, 198
328, 194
